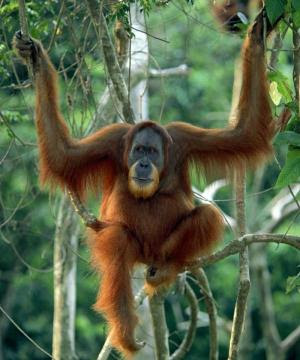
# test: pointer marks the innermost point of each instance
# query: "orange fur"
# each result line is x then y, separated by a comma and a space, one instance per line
143, 191
114, 254
165, 230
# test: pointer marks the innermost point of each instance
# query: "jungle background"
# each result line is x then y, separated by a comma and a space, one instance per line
188, 76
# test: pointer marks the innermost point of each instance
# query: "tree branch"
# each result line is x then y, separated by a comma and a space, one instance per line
290, 340
235, 246
24, 333
277, 45
187, 342
211, 311
88, 218
296, 71
111, 60
268, 322
163, 73
105, 350
25, 32
244, 281
160, 328
116, 74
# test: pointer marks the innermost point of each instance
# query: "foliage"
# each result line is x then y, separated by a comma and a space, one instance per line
291, 170
282, 94
292, 283
275, 9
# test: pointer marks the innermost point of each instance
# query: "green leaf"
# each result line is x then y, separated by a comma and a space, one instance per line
290, 173
282, 85
296, 17
274, 93
296, 4
275, 9
285, 91
288, 137
9, 8
292, 283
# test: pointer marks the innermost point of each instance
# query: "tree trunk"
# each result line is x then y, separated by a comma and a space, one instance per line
65, 263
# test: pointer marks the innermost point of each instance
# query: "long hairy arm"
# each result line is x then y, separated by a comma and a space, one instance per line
248, 140
64, 160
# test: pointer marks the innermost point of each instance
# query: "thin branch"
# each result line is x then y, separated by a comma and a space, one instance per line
150, 35
105, 350
8, 300
59, 17
24, 333
23, 19
156, 303
7, 152
88, 218
244, 280
17, 207
235, 246
241, 306
211, 311
290, 340
111, 60
20, 257
272, 225
266, 307
175, 71
25, 31
240, 188
116, 74
277, 45
11, 131
296, 71
187, 342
